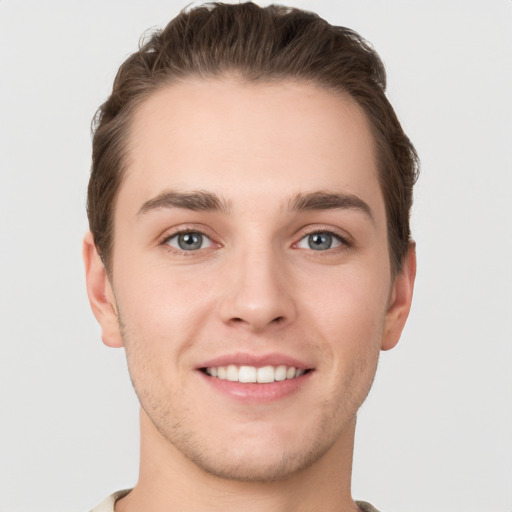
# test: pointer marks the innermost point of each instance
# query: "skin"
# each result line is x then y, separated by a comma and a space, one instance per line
255, 286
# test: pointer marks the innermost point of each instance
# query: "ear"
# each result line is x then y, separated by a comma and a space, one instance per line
400, 300
100, 293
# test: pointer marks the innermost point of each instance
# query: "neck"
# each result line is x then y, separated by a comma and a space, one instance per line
170, 481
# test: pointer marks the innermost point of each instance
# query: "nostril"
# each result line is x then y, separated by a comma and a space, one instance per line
275, 321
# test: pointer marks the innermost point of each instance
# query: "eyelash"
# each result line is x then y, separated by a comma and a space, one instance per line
345, 243
184, 231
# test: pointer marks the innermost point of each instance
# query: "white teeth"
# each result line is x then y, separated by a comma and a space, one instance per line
280, 373
290, 373
247, 374
251, 374
232, 373
265, 374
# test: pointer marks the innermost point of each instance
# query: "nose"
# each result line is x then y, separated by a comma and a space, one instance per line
258, 292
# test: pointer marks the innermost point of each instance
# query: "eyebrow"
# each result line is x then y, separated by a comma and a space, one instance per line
199, 201
328, 201
203, 201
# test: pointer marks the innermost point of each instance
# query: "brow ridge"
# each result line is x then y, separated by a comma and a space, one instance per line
322, 200
198, 200
201, 200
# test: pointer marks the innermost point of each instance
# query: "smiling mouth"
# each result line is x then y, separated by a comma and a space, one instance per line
252, 374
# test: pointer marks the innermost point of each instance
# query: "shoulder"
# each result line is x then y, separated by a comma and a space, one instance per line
366, 507
107, 505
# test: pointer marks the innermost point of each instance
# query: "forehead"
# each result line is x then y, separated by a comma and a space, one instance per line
244, 141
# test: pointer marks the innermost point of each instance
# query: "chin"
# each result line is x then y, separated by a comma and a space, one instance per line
253, 466
263, 455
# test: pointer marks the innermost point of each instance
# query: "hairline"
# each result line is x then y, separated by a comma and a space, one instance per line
163, 82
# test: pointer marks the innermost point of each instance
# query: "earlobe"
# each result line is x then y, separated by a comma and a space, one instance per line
101, 295
400, 303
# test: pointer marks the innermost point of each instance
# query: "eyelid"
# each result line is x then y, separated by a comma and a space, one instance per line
204, 239
337, 242
184, 229
345, 239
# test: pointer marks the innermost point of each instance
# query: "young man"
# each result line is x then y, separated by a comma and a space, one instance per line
250, 248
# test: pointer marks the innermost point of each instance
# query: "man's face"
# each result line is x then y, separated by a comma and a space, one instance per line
250, 232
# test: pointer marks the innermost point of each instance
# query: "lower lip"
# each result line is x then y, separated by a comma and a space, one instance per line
256, 392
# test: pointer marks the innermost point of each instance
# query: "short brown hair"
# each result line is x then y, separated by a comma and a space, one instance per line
259, 44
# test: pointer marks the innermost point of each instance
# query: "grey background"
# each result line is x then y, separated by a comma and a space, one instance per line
435, 433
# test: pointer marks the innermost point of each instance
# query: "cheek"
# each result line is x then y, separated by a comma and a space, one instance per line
164, 314
357, 331
163, 306
163, 290
349, 316
355, 299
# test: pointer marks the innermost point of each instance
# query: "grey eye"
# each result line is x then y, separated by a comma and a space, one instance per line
321, 241
191, 241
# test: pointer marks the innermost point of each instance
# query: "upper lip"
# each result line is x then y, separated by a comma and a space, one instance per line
257, 360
